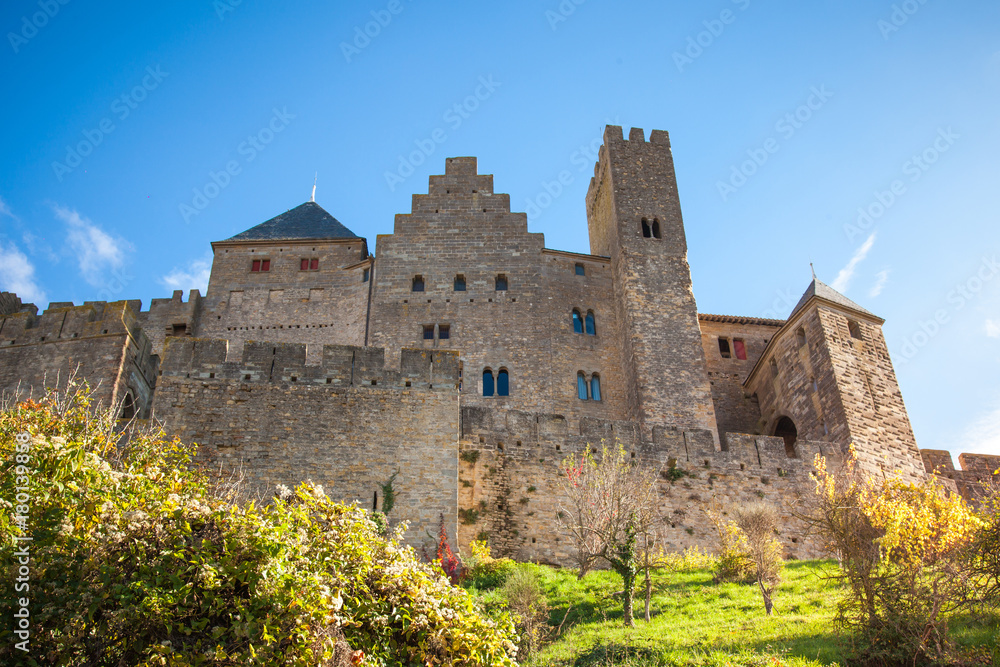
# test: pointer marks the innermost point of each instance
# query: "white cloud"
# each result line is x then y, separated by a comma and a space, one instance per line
993, 328
843, 278
982, 436
5, 209
881, 278
17, 275
97, 253
194, 276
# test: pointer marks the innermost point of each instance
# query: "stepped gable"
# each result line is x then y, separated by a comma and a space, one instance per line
821, 290
306, 221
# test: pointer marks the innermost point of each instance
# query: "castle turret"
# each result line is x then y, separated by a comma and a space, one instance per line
634, 216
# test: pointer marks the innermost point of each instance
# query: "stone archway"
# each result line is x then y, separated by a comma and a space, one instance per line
785, 428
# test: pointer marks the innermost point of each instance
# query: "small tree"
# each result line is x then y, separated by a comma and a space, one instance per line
759, 523
609, 511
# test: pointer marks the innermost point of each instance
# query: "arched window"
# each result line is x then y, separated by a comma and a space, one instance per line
460, 283
591, 326
854, 328
647, 231
656, 228
581, 386
774, 367
128, 406
785, 428
800, 335
501, 283
418, 284
577, 322
503, 383
595, 387
487, 382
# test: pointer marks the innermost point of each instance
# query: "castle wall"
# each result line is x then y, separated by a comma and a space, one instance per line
978, 473
99, 342
657, 315
325, 306
511, 471
346, 423
736, 410
170, 317
462, 228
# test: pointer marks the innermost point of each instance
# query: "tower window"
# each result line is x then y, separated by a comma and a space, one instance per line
460, 283
800, 336
741, 349
595, 387
487, 382
581, 386
503, 383
854, 328
428, 332
502, 283
656, 228
444, 331
591, 327
577, 322
580, 271
260, 265
418, 284
724, 348
365, 275
306, 264
774, 367
647, 231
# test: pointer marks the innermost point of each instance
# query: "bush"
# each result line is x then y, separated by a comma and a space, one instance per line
689, 560
483, 572
525, 598
734, 563
136, 560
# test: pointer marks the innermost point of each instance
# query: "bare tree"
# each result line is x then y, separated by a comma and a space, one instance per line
759, 523
609, 511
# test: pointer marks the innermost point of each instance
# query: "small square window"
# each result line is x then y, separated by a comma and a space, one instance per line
724, 348
741, 349
501, 283
580, 271
304, 264
460, 283
418, 284
265, 265
255, 266
444, 331
428, 332
314, 264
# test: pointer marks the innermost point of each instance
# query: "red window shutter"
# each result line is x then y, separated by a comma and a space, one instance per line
304, 265
741, 350
255, 266
265, 265
313, 264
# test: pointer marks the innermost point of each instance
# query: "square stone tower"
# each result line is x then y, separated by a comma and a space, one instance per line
634, 217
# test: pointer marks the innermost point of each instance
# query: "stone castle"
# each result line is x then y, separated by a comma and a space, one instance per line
468, 360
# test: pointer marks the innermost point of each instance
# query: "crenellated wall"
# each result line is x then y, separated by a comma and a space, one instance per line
979, 471
347, 423
171, 317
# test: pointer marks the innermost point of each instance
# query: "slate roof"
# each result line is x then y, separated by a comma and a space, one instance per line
820, 289
307, 221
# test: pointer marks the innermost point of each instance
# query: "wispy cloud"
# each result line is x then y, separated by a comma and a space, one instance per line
5, 209
97, 253
993, 328
843, 279
982, 436
17, 274
193, 276
881, 278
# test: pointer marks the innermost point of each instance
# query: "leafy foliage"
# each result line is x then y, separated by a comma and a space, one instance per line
137, 560
483, 572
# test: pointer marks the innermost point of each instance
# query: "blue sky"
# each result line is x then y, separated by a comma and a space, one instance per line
788, 121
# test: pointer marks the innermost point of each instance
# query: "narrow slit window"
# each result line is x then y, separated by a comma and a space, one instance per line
580, 271
774, 367
647, 231
800, 336
503, 383
581, 386
741, 349
487, 382
460, 283
501, 283
724, 348
366, 275
577, 322
595, 387
656, 228
591, 324
418, 284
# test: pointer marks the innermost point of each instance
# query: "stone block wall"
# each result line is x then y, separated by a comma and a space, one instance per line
511, 472
972, 481
347, 423
171, 317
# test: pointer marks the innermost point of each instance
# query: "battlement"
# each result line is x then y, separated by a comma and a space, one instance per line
64, 321
204, 359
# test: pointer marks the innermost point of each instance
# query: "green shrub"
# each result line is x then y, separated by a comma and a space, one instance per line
137, 560
483, 572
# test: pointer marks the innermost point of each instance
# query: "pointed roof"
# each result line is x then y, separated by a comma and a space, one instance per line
821, 290
307, 221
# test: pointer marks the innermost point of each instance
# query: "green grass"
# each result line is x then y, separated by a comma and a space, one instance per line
697, 622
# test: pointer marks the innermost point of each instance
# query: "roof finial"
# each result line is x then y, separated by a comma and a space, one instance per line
313, 198
813, 270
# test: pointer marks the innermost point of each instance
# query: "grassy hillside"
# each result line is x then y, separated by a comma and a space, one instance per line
697, 622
